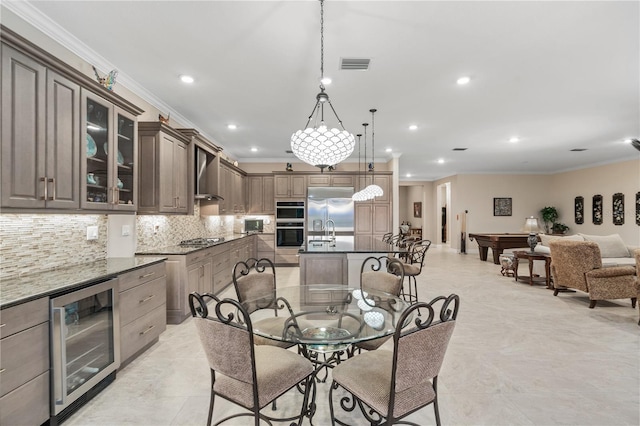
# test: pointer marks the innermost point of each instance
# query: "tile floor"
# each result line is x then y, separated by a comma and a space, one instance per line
518, 356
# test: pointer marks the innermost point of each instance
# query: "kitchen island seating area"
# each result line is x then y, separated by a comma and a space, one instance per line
252, 376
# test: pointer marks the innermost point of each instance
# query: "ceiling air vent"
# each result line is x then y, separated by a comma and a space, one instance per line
459, 149
578, 149
289, 151
354, 64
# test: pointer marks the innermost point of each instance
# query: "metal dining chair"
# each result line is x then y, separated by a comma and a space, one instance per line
252, 376
376, 274
388, 385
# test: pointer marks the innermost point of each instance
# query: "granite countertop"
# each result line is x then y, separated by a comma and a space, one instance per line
346, 247
14, 291
183, 250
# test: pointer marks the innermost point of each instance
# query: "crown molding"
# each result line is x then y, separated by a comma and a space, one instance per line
32, 15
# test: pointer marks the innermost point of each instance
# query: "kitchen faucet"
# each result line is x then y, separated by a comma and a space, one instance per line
326, 230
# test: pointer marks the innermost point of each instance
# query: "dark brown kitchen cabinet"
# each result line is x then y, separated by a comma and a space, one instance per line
110, 155
40, 135
163, 176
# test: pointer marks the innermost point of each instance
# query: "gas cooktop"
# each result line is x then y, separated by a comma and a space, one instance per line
200, 242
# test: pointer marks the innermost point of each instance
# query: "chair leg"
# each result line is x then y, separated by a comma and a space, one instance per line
556, 291
213, 379
436, 409
633, 302
593, 304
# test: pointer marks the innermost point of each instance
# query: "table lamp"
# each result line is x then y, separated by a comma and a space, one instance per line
532, 227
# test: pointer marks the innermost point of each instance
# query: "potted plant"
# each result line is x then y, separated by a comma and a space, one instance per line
549, 216
559, 228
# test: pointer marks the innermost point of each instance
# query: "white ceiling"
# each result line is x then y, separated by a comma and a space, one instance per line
560, 75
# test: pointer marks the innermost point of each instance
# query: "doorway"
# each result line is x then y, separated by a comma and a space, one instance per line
443, 213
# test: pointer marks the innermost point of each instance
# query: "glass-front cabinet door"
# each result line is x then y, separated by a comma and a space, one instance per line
110, 154
127, 152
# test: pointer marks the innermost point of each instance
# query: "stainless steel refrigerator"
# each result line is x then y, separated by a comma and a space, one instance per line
326, 204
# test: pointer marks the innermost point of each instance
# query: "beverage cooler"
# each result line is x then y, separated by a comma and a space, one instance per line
84, 345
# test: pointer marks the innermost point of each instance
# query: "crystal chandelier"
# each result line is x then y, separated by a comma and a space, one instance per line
320, 145
373, 189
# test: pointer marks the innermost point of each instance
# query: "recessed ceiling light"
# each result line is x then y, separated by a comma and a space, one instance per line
254, 149
440, 160
413, 127
628, 140
463, 80
186, 79
514, 139
232, 126
408, 174
388, 150
326, 81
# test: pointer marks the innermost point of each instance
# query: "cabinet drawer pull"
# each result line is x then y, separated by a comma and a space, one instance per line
146, 299
151, 327
2, 325
195, 258
2, 370
146, 275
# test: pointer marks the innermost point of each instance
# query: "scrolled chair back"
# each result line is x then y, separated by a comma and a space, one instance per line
255, 280
419, 350
227, 338
373, 276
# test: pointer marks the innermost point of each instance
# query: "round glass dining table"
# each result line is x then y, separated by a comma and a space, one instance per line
325, 318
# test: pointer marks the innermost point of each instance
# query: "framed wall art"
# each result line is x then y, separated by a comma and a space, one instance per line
417, 209
502, 207
597, 209
579, 210
638, 208
618, 208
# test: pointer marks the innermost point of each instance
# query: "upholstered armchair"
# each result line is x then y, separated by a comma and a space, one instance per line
637, 255
578, 265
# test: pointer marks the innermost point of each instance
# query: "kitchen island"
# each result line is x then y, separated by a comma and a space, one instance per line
336, 262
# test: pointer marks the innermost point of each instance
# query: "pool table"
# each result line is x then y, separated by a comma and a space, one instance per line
497, 243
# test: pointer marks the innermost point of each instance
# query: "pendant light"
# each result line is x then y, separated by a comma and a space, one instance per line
373, 189
358, 196
320, 145
365, 193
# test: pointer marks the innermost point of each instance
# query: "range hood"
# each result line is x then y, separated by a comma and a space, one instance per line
203, 181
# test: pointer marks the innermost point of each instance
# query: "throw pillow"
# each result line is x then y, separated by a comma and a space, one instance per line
546, 238
610, 245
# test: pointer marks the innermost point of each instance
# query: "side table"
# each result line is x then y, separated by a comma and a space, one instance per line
531, 257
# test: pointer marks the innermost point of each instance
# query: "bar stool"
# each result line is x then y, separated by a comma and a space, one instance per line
412, 268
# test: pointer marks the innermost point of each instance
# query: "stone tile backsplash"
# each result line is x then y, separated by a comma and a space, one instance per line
36, 242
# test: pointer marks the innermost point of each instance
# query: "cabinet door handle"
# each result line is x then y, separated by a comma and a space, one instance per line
53, 189
2, 370
116, 199
146, 299
2, 325
151, 327
44, 179
146, 275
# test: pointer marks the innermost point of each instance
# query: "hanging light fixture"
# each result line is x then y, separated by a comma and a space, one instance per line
373, 189
364, 194
320, 145
358, 196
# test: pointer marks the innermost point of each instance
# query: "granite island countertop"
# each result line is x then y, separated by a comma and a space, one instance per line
318, 247
184, 250
18, 290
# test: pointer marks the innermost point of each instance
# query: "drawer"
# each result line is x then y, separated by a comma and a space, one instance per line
266, 245
288, 259
142, 275
198, 256
220, 281
139, 333
23, 356
142, 299
220, 262
219, 249
28, 404
21, 317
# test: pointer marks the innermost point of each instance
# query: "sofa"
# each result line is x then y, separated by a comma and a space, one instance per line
613, 250
578, 265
